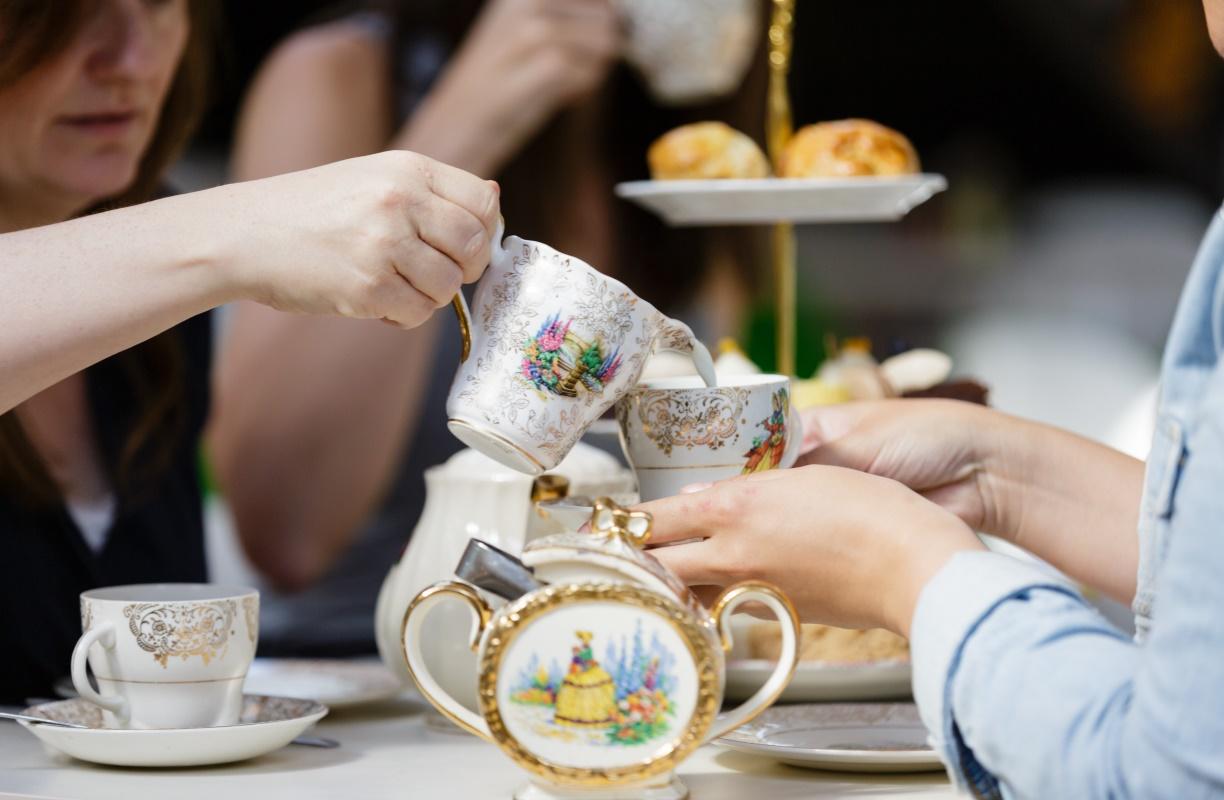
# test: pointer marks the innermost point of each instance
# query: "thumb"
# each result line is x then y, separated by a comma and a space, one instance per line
837, 436
823, 425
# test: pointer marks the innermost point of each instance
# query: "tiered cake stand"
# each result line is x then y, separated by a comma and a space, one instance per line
782, 202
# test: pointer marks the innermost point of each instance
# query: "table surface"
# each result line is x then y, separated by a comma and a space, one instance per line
399, 750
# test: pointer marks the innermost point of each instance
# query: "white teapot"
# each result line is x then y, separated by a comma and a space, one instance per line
472, 496
600, 682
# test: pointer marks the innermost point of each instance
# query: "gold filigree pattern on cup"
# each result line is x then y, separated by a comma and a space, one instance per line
170, 630
86, 615
250, 609
708, 419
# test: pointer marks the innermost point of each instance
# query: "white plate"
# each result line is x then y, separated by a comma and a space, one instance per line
337, 683
815, 680
850, 737
267, 724
765, 200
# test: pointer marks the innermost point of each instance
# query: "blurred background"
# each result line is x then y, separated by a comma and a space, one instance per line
1082, 145
1081, 141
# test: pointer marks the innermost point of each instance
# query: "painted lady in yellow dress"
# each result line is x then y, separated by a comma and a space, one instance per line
587, 696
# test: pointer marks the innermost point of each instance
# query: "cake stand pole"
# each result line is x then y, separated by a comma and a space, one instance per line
778, 128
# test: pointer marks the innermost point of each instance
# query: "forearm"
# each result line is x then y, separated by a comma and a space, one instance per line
1022, 684
451, 132
79, 291
311, 418
1067, 500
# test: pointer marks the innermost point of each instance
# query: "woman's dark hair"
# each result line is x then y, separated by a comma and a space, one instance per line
32, 31
663, 264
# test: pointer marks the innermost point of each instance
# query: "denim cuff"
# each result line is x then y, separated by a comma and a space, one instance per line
951, 607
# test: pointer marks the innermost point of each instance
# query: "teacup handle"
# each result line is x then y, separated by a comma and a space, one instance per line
794, 435
459, 303
727, 602
677, 337
414, 620
103, 634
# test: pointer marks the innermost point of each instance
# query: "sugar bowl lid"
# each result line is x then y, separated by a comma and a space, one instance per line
615, 542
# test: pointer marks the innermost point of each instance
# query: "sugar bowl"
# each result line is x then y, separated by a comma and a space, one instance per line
604, 678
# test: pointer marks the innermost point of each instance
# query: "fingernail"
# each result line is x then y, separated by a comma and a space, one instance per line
496, 187
693, 488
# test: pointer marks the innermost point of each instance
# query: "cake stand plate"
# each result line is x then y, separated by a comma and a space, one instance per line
797, 200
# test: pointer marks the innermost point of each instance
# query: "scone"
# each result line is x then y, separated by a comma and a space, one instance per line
846, 148
705, 150
826, 643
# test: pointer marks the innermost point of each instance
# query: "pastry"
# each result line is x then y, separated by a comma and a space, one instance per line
916, 370
847, 147
705, 150
826, 643
853, 368
815, 392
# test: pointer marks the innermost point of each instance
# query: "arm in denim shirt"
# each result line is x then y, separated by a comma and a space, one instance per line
1030, 693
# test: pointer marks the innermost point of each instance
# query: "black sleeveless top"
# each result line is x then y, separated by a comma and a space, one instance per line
157, 535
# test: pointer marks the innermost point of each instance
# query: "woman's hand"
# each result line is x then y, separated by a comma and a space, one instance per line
521, 62
1068, 500
390, 236
848, 548
943, 449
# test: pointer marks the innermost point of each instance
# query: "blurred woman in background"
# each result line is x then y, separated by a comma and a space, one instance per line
532, 92
105, 351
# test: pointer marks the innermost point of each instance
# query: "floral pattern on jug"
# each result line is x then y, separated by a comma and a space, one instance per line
558, 361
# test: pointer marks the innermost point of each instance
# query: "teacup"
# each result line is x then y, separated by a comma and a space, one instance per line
171, 655
691, 50
553, 344
676, 431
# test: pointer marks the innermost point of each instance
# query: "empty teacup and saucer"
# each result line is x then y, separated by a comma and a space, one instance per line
170, 661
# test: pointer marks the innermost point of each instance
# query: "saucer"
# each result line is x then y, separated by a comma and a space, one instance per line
848, 737
267, 724
337, 683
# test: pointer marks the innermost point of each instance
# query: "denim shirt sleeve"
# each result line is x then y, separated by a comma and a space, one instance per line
1030, 693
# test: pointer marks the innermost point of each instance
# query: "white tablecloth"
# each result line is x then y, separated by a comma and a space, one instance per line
388, 751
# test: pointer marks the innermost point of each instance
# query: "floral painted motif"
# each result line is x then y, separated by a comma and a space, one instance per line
625, 699
250, 608
166, 631
767, 450
557, 361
